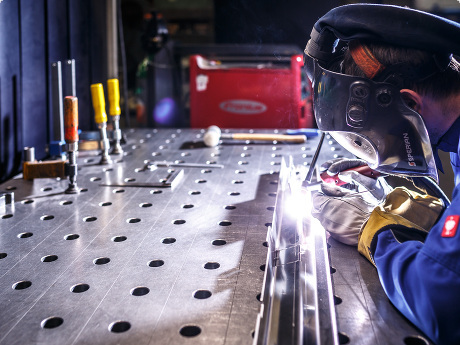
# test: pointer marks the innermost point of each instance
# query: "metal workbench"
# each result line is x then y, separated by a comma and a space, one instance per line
183, 265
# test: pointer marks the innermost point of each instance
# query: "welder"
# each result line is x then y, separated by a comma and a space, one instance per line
387, 87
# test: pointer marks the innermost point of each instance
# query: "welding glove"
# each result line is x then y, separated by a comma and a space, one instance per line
408, 214
343, 210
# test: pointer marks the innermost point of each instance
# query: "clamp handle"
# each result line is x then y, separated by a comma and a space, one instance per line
97, 94
113, 90
71, 119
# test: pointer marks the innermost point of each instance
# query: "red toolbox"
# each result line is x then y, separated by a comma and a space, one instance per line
249, 94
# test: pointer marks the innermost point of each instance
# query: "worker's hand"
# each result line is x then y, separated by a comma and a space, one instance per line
343, 210
408, 214
378, 188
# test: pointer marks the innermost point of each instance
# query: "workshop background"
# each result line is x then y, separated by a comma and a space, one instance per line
144, 43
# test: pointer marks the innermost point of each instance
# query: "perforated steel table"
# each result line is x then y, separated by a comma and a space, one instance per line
139, 265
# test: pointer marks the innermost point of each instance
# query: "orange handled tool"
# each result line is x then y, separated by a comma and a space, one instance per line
71, 138
71, 119
362, 169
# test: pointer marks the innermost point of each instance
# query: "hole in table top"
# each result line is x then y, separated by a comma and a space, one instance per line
90, 219
211, 162
202, 294
178, 221
168, 240
190, 331
268, 224
415, 340
225, 223
259, 297
215, 154
272, 194
240, 171
119, 238
247, 148
94, 179
262, 267
230, 207
194, 192
130, 179
271, 208
25, 235
49, 258
52, 322
47, 217
337, 300
200, 181
24, 284
106, 203
188, 206
133, 220
156, 263
245, 155
140, 291
11, 188
274, 148
274, 182
83, 190
237, 182
211, 265
71, 237
156, 191
332, 270
343, 338
145, 204
265, 244
28, 201
155, 154
117, 191
233, 193
3, 255
101, 261
46, 189
219, 242
276, 155
66, 202
243, 163
275, 163
89, 160
206, 171
79, 288
119, 161
6, 216
107, 169
119, 326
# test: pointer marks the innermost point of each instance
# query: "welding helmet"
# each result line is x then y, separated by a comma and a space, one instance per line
367, 115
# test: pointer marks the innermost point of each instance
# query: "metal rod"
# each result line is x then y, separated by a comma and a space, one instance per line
314, 159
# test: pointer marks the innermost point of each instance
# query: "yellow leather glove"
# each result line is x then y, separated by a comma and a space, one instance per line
410, 216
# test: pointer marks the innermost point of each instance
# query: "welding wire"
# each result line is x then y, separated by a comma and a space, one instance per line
314, 159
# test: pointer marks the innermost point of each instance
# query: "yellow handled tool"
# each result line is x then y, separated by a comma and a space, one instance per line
113, 89
100, 116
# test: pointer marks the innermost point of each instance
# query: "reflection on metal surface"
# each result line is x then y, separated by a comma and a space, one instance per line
297, 296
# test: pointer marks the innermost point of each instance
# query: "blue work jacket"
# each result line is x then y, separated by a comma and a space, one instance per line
422, 280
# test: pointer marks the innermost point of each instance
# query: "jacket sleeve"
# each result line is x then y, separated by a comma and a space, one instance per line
422, 280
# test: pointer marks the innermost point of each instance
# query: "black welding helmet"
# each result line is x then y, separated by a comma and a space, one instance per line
367, 115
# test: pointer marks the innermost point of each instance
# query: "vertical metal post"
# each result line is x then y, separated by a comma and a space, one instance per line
112, 39
69, 78
56, 85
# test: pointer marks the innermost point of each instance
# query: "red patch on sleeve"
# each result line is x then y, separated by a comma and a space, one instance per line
450, 226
